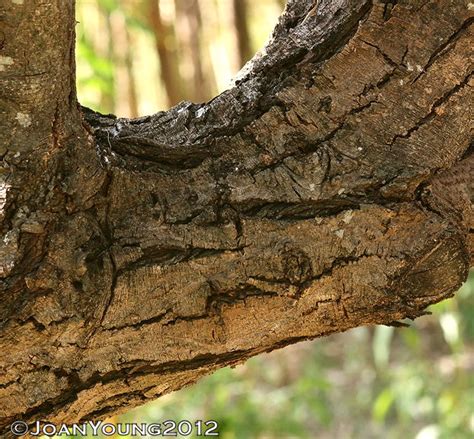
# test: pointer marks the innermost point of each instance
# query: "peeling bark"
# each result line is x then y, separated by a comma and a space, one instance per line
330, 188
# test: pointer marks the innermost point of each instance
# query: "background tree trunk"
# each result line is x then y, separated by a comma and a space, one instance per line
125, 89
189, 24
330, 188
244, 45
166, 47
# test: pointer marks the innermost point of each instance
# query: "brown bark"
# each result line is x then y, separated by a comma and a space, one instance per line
330, 188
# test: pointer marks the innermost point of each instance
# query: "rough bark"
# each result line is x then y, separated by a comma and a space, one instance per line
330, 188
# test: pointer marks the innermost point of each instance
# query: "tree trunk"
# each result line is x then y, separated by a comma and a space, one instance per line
189, 26
330, 188
125, 90
165, 42
239, 8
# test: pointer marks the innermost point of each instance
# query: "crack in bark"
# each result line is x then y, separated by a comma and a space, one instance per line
152, 320
432, 113
107, 233
297, 211
387, 59
445, 47
222, 297
163, 256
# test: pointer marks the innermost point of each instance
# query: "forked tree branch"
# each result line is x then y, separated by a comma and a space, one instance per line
330, 188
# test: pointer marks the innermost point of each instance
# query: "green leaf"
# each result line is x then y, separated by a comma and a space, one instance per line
382, 404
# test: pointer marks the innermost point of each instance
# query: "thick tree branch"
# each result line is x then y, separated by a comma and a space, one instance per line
330, 188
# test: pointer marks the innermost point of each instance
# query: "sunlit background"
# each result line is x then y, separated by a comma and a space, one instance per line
137, 57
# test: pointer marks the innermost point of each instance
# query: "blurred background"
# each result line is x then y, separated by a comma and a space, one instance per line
137, 57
